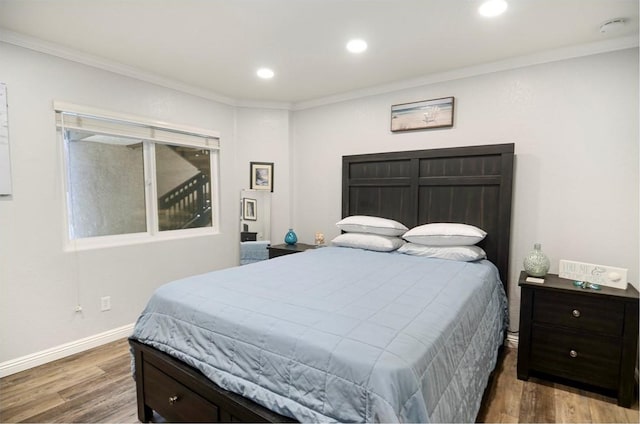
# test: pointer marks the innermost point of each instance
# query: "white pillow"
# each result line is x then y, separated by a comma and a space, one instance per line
454, 253
445, 234
371, 225
368, 241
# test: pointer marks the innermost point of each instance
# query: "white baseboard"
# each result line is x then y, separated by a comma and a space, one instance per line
33, 360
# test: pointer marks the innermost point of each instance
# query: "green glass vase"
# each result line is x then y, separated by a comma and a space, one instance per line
536, 263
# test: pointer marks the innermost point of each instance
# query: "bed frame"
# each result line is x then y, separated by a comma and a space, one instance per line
470, 185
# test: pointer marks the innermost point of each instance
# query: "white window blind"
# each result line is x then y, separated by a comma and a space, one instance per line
100, 122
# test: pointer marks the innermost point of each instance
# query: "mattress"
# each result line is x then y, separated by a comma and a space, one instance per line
253, 251
338, 334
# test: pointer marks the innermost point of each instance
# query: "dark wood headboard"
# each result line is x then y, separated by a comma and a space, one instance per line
470, 185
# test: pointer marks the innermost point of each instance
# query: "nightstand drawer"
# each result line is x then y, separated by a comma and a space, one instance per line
594, 314
589, 359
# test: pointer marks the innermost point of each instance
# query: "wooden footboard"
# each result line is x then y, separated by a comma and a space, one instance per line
180, 393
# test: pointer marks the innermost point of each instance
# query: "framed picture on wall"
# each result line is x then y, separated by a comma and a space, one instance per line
425, 114
249, 209
261, 174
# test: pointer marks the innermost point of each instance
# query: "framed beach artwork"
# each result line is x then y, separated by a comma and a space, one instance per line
425, 114
261, 174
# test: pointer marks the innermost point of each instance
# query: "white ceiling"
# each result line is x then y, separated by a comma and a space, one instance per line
216, 45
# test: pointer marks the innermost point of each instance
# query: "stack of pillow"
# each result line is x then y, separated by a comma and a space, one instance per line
438, 240
445, 241
370, 233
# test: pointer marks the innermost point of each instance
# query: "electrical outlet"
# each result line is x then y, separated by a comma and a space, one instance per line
105, 303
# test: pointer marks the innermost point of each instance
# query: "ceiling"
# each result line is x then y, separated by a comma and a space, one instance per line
216, 46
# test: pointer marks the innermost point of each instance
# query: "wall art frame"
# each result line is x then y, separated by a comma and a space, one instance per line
261, 176
249, 209
422, 115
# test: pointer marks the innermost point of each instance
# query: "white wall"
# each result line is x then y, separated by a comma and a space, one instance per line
40, 284
575, 128
263, 136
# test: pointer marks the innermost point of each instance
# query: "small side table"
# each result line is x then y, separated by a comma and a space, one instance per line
582, 335
287, 249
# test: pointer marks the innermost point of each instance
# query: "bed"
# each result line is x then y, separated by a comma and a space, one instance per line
254, 251
321, 340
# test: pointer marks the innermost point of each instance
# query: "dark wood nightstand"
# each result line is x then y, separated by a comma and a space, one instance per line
581, 335
248, 236
287, 249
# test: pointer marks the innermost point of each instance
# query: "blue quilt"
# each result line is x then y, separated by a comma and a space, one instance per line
339, 334
253, 251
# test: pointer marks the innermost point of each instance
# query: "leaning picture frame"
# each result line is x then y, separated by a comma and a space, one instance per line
425, 114
261, 176
249, 209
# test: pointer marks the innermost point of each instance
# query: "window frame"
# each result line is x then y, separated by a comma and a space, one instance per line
152, 233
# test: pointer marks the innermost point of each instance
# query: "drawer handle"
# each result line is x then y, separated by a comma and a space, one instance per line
173, 399
573, 353
576, 313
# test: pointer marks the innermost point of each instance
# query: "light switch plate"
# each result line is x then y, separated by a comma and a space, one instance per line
591, 273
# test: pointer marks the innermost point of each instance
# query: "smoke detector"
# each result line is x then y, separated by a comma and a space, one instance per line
611, 26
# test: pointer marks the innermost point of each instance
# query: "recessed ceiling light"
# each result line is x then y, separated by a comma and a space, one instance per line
357, 46
492, 8
265, 73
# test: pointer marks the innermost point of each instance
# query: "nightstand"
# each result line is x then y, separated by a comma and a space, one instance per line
248, 236
287, 249
579, 335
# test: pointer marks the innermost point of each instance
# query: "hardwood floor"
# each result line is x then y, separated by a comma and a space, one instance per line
96, 386
93, 386
510, 400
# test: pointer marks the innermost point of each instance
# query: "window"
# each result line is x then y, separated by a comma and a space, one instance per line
184, 188
129, 179
106, 185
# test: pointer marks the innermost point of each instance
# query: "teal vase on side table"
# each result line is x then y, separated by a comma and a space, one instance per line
290, 237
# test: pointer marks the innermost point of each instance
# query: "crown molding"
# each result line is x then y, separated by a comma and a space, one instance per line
57, 50
555, 55
548, 56
261, 104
